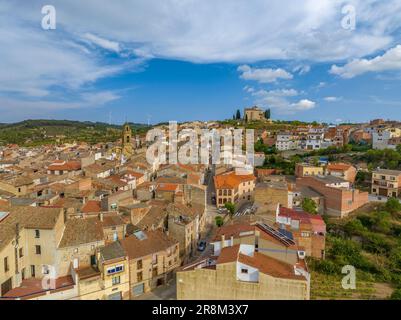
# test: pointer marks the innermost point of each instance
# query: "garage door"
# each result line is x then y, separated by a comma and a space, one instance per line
6, 286
115, 296
138, 290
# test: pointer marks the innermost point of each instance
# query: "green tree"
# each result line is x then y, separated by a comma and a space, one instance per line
238, 115
393, 205
230, 207
309, 205
219, 221
267, 114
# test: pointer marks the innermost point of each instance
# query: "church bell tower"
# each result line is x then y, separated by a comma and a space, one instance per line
127, 148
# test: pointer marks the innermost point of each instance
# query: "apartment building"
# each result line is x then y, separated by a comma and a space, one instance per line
184, 225
386, 183
314, 141
256, 262
307, 230
339, 197
152, 258
305, 169
232, 187
287, 141
29, 238
342, 170
380, 139
107, 278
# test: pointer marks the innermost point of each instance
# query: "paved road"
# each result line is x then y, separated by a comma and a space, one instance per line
166, 292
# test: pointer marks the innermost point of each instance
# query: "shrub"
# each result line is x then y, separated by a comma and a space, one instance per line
393, 205
219, 221
309, 205
396, 295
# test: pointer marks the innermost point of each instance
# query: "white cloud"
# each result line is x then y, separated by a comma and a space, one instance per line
303, 104
279, 100
331, 99
302, 69
249, 89
232, 31
390, 60
104, 43
277, 93
263, 75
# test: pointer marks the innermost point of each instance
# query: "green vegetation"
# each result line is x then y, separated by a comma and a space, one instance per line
261, 147
396, 295
267, 114
393, 205
40, 132
309, 205
219, 221
238, 115
369, 241
387, 158
333, 150
287, 167
230, 207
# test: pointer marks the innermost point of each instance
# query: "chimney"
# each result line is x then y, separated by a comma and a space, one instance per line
257, 234
222, 241
232, 241
101, 216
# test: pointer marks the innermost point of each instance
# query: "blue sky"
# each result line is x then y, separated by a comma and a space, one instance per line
200, 60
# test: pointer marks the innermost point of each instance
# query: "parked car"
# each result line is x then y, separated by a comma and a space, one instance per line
202, 245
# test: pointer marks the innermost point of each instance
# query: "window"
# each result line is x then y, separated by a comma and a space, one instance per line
139, 276
21, 252
38, 250
23, 273
115, 269
32, 271
6, 266
154, 272
245, 271
37, 234
139, 264
116, 280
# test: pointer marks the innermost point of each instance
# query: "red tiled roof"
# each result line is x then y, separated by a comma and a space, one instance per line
338, 166
91, 206
65, 166
33, 287
167, 187
231, 180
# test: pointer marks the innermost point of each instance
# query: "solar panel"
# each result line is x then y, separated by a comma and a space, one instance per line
140, 235
3, 215
278, 235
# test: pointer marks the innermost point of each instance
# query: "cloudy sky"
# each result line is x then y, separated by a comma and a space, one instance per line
154, 61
